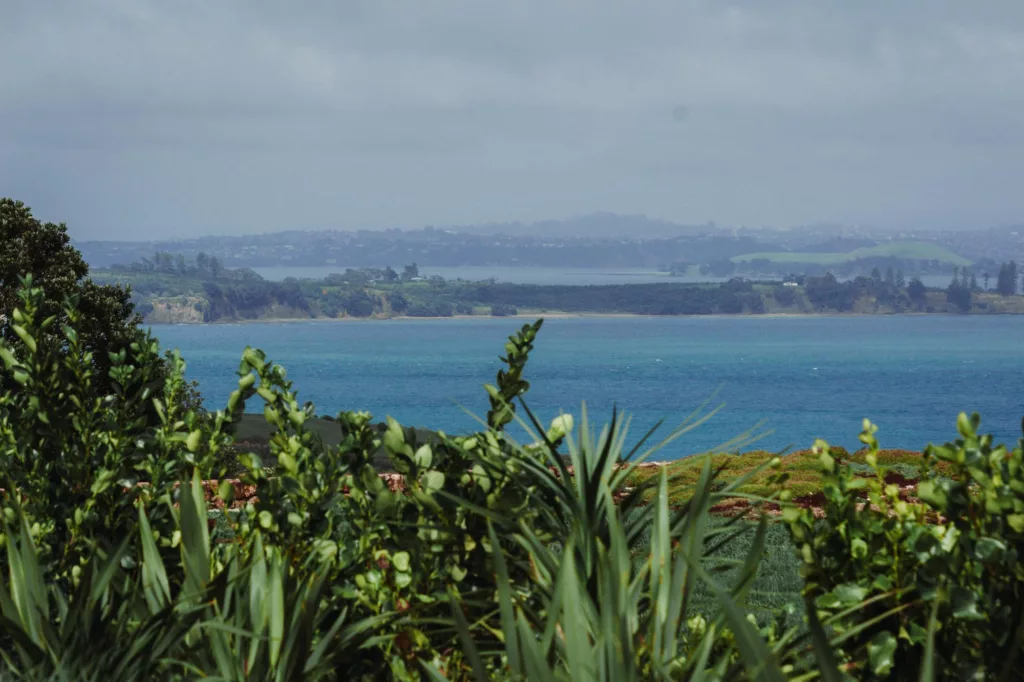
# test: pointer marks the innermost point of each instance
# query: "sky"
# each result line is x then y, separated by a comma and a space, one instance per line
139, 119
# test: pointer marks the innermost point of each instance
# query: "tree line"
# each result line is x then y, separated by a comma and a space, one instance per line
362, 292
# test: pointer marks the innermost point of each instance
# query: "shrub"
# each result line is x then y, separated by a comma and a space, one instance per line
937, 582
348, 578
430, 309
75, 444
784, 296
491, 559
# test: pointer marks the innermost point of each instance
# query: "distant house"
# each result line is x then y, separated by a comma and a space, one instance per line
790, 284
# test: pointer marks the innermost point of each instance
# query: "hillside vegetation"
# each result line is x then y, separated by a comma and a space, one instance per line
908, 250
232, 295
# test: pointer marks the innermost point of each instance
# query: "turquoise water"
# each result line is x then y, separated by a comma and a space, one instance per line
808, 377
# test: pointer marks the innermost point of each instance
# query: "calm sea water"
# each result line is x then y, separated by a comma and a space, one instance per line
808, 377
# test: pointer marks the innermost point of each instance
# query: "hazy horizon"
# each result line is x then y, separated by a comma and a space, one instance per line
146, 120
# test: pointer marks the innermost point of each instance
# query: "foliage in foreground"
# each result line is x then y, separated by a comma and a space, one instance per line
931, 583
496, 564
106, 319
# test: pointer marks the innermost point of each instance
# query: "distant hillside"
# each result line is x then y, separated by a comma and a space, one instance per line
911, 250
598, 225
596, 240
838, 245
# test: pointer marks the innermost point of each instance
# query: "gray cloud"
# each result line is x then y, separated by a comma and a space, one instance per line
137, 118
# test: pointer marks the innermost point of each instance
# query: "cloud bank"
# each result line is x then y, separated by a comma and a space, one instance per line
132, 119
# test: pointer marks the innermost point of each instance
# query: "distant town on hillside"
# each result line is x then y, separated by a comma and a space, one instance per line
600, 240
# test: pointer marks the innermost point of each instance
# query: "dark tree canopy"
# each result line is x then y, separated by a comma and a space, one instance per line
29, 246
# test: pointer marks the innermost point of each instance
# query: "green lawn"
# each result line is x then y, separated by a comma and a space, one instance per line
907, 249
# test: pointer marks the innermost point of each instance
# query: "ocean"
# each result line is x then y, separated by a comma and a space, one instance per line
802, 377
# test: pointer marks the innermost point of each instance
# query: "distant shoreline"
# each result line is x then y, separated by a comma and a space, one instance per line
565, 316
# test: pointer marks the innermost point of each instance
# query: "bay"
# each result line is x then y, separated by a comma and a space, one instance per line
806, 377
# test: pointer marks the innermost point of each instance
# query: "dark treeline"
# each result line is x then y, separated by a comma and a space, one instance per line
966, 284
849, 269
1006, 281
203, 265
643, 299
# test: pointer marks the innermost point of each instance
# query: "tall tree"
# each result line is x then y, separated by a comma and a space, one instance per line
410, 272
29, 246
1006, 282
202, 264
917, 292
959, 293
216, 269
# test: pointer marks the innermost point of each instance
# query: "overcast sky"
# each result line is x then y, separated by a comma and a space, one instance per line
150, 118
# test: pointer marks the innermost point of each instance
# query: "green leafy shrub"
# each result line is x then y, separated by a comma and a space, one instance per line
600, 610
328, 563
480, 557
75, 445
929, 584
233, 612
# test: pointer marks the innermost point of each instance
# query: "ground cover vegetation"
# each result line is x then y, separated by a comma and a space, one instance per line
560, 557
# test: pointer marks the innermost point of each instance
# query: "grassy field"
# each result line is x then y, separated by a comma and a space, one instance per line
801, 466
906, 249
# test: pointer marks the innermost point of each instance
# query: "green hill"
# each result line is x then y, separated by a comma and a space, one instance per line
911, 250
